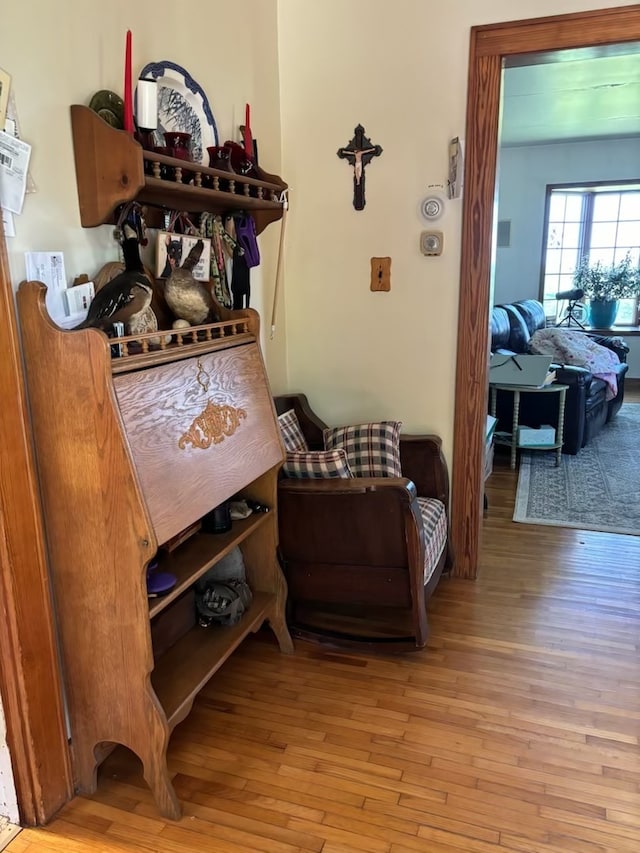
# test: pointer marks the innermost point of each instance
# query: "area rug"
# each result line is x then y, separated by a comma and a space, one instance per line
598, 489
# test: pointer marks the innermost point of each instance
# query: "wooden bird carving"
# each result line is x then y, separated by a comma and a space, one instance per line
189, 299
127, 297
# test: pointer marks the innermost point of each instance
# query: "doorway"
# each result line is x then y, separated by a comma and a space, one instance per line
490, 45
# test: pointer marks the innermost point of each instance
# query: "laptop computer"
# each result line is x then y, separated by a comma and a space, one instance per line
518, 369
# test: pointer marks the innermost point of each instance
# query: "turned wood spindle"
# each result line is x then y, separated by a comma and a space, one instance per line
156, 169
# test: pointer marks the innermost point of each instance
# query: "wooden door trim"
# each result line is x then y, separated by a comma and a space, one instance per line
488, 45
30, 682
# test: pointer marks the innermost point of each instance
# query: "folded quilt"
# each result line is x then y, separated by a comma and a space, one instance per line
568, 347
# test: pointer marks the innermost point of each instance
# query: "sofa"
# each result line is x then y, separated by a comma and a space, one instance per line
587, 408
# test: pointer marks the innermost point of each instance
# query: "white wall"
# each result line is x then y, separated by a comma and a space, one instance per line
525, 172
400, 69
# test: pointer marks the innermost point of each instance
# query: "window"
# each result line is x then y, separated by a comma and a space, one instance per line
600, 221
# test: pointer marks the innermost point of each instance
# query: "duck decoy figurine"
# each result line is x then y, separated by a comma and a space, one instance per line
127, 297
189, 299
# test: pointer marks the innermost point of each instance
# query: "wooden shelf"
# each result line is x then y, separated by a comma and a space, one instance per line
187, 666
198, 554
110, 170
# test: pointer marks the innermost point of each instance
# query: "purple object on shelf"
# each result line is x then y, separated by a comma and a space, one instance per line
159, 582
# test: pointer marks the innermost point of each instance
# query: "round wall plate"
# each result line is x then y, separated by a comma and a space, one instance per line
432, 207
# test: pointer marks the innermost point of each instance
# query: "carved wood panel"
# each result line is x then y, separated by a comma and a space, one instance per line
198, 430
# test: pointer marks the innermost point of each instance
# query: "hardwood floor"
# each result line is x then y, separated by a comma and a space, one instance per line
515, 730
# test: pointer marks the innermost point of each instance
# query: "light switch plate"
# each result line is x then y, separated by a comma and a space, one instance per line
380, 274
431, 242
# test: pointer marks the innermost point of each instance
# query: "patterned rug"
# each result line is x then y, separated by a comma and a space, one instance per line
599, 489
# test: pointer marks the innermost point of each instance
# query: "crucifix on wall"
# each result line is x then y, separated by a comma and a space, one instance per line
358, 153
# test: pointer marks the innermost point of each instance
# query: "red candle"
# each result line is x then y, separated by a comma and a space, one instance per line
248, 139
128, 103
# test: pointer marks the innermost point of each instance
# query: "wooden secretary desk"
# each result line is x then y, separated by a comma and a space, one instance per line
132, 450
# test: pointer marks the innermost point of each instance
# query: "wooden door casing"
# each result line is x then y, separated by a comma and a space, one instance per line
488, 46
30, 682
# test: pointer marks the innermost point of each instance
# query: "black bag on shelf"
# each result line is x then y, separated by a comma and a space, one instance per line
222, 603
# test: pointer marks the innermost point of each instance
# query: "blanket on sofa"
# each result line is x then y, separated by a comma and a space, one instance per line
568, 347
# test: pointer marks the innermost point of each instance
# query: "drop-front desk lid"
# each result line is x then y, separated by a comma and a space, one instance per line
199, 430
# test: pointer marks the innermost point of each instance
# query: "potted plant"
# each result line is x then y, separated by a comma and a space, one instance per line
604, 285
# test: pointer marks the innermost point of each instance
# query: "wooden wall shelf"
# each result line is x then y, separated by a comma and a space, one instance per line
112, 168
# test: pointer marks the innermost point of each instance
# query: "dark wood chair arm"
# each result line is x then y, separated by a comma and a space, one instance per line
403, 486
310, 423
423, 462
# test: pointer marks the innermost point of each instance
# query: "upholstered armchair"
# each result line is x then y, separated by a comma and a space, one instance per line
363, 545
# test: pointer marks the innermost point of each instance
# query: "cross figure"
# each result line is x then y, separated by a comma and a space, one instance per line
358, 153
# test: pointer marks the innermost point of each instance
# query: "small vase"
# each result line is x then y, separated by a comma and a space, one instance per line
240, 163
602, 313
219, 158
180, 143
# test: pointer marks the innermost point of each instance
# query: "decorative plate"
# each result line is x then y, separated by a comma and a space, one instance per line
109, 107
183, 107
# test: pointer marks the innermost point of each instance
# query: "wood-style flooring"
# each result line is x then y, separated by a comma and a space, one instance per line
516, 730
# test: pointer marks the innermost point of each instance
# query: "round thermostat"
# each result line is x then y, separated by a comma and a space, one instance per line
432, 207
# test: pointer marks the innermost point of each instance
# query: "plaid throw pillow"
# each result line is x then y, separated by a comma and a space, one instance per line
291, 430
373, 450
316, 464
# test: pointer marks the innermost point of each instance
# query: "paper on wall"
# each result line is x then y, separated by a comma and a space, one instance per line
8, 223
12, 127
48, 267
14, 165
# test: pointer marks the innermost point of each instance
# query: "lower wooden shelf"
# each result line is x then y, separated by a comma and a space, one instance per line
187, 666
198, 554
